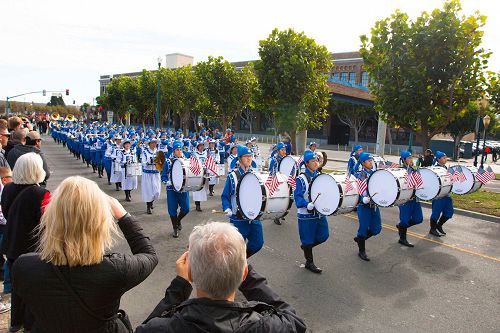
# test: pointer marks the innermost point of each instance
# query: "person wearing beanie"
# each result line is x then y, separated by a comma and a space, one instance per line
370, 222
251, 230
442, 208
353, 159
274, 166
410, 213
313, 227
201, 154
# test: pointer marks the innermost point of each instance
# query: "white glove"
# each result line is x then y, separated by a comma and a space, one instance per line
310, 206
228, 212
366, 200
169, 183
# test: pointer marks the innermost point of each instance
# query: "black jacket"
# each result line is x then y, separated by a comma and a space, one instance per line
22, 208
264, 311
99, 286
21, 149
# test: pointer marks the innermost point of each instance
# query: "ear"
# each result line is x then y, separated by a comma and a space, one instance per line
245, 272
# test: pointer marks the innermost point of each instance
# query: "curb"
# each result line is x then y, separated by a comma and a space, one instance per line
469, 213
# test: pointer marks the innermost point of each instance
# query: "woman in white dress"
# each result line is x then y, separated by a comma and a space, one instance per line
113, 152
201, 154
233, 153
127, 157
151, 181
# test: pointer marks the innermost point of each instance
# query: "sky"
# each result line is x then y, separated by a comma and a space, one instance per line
58, 45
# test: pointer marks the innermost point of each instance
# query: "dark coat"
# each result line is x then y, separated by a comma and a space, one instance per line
99, 286
21, 149
264, 311
22, 208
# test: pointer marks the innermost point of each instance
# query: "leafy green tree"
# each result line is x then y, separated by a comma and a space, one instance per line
225, 91
494, 91
115, 96
55, 101
292, 75
425, 71
352, 115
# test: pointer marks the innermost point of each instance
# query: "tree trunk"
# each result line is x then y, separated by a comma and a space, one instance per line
356, 134
423, 135
301, 142
293, 134
389, 135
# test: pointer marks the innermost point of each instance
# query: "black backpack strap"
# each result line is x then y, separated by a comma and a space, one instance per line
78, 299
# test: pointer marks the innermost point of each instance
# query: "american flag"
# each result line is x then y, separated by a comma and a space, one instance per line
291, 180
362, 186
452, 176
392, 164
489, 170
485, 176
272, 184
459, 174
301, 159
210, 165
194, 165
416, 180
348, 184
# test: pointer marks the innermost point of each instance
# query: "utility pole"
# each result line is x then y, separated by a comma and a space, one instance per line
381, 133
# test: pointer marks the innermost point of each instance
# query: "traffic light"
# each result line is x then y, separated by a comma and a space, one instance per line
67, 92
74, 102
44, 92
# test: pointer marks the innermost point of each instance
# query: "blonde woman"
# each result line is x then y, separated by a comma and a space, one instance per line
22, 206
72, 272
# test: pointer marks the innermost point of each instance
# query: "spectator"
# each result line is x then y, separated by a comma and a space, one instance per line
16, 137
15, 123
426, 160
4, 139
6, 178
32, 144
22, 202
216, 265
76, 230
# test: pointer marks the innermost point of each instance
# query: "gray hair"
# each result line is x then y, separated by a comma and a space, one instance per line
217, 258
28, 169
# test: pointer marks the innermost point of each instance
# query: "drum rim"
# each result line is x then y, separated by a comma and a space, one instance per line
440, 186
264, 202
183, 173
296, 165
473, 182
340, 192
399, 189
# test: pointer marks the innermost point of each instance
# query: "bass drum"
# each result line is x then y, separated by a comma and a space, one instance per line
183, 179
470, 185
329, 194
253, 206
436, 183
388, 187
289, 166
134, 169
348, 199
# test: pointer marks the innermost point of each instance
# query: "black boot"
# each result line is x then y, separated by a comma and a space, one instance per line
94, 169
148, 209
361, 247
250, 253
439, 225
198, 206
101, 174
309, 265
179, 218
211, 190
368, 234
127, 195
277, 221
117, 186
152, 206
174, 226
402, 236
433, 230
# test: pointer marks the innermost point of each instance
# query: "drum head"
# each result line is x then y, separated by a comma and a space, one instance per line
328, 201
177, 175
467, 185
250, 196
383, 188
287, 166
430, 187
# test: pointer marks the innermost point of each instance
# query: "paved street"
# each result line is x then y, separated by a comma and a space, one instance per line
442, 285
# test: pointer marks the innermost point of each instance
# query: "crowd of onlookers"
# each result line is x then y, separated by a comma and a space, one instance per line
63, 276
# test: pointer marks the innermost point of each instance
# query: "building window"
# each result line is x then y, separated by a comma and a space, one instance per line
343, 76
336, 76
364, 79
352, 77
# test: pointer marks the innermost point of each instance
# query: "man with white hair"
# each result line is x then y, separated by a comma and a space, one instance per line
216, 265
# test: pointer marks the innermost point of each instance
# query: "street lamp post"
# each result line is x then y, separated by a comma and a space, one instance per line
158, 95
478, 139
486, 122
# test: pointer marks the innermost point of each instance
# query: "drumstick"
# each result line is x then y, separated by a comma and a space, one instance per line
374, 194
218, 211
319, 193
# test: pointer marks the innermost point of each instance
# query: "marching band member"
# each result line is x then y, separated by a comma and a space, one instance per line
116, 175
175, 199
100, 150
232, 154
201, 195
150, 181
353, 159
126, 157
107, 160
273, 168
313, 146
93, 152
442, 208
250, 230
313, 227
370, 222
410, 213
213, 180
